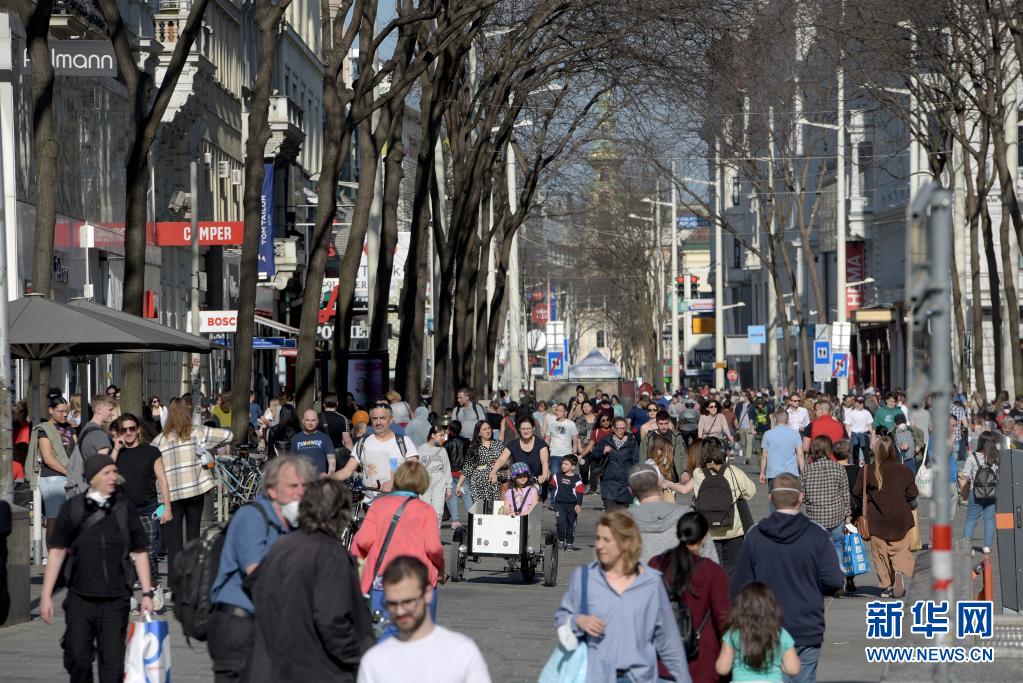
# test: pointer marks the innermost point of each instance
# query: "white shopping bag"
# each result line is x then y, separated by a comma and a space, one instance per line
147, 655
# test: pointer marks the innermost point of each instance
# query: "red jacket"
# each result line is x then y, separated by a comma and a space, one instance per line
416, 534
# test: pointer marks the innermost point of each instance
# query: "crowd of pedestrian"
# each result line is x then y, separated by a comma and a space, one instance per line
676, 532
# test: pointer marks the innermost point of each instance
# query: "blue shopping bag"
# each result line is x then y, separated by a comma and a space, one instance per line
855, 560
147, 654
565, 666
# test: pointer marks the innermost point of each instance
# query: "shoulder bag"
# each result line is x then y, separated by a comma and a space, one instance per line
742, 506
925, 477
861, 522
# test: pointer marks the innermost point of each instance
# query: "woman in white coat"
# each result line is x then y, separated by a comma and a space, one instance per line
434, 457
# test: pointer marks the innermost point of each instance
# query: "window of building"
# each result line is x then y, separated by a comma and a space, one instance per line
601, 339
736, 253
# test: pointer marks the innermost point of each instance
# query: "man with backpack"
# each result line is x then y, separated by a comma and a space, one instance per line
92, 440
94, 536
657, 520
226, 618
797, 561
468, 412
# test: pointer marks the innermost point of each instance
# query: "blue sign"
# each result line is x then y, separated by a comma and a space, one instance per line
821, 353
267, 267
756, 334
840, 365
274, 343
555, 363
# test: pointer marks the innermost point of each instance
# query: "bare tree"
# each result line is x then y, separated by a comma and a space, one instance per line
147, 103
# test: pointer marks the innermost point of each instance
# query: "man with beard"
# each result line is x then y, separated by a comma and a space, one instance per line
422, 650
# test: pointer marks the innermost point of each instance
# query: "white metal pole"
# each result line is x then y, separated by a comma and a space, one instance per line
673, 231
840, 218
659, 265
719, 294
196, 381
6, 446
518, 363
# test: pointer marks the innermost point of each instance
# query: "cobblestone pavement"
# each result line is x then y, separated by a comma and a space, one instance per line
513, 623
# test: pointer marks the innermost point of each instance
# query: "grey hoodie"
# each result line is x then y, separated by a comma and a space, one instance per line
657, 522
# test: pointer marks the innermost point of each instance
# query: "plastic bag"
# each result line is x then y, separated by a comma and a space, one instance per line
147, 652
855, 560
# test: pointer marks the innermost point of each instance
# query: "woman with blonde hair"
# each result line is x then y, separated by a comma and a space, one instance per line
401, 410
183, 447
74, 415
890, 487
624, 601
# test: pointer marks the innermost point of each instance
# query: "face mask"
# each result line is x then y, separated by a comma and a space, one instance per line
290, 512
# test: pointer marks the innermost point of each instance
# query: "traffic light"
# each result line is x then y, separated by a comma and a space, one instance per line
680, 286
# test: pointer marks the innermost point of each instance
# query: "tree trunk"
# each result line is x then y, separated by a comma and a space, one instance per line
252, 201
994, 291
393, 175
480, 359
442, 391
1010, 211
36, 20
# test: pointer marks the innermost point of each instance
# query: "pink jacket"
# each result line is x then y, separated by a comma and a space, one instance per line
416, 534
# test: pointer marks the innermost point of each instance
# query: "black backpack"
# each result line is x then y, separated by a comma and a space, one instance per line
714, 501
192, 577
684, 620
985, 482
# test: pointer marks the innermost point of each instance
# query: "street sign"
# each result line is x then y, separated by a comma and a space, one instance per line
821, 361
840, 365
756, 334
263, 343
840, 334
720, 365
555, 363
179, 233
733, 376
540, 314
701, 305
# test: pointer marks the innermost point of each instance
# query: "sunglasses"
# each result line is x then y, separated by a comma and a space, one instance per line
129, 428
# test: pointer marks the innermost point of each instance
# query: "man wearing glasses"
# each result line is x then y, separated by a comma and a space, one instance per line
799, 416
421, 645
141, 467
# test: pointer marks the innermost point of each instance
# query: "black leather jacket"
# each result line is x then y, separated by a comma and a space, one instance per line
456, 447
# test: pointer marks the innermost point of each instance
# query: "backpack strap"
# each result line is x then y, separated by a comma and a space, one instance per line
402, 447
390, 533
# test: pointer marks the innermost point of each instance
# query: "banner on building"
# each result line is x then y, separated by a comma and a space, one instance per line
78, 58
266, 225
854, 272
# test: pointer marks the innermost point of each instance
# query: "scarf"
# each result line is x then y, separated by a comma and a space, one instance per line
619, 442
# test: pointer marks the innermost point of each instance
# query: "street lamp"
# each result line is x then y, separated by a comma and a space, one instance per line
739, 304
842, 314
676, 364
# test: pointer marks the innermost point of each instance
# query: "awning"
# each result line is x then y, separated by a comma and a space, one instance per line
274, 325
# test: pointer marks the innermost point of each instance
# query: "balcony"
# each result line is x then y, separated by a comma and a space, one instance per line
287, 134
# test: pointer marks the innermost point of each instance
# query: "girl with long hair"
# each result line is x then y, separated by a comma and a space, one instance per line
49, 449
714, 462
986, 454
278, 437
483, 452
182, 445
702, 586
890, 487
755, 646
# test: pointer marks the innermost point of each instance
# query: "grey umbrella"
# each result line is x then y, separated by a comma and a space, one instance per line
42, 328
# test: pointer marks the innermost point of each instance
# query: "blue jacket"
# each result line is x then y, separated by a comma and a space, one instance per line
796, 559
248, 540
639, 627
614, 482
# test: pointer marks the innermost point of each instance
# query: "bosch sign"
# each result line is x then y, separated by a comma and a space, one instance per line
218, 321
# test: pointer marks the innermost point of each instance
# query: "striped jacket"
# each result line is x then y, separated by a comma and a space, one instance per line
186, 477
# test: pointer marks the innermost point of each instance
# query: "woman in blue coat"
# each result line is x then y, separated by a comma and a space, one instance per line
618, 452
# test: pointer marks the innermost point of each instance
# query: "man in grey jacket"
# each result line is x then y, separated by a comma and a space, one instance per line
657, 519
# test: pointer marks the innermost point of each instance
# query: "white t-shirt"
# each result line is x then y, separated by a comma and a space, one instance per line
858, 420
559, 436
380, 458
799, 418
442, 657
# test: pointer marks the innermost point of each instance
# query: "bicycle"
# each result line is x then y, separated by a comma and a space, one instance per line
358, 509
241, 476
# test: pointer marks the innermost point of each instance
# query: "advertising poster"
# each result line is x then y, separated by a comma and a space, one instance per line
367, 376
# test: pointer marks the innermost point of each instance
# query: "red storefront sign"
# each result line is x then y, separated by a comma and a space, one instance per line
540, 314
210, 233
854, 270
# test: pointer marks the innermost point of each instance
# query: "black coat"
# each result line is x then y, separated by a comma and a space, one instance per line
614, 483
312, 623
456, 446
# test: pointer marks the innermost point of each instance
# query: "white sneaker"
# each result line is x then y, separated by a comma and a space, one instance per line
158, 603
986, 550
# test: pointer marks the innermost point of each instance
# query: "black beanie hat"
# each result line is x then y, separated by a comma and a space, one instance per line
95, 464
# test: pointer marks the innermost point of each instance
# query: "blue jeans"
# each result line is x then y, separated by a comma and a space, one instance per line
452, 502
860, 442
910, 463
838, 538
51, 490
808, 656
974, 511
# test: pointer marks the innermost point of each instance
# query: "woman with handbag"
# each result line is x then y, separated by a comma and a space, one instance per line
400, 524
886, 489
728, 541
986, 456
182, 448
702, 586
620, 611
713, 423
